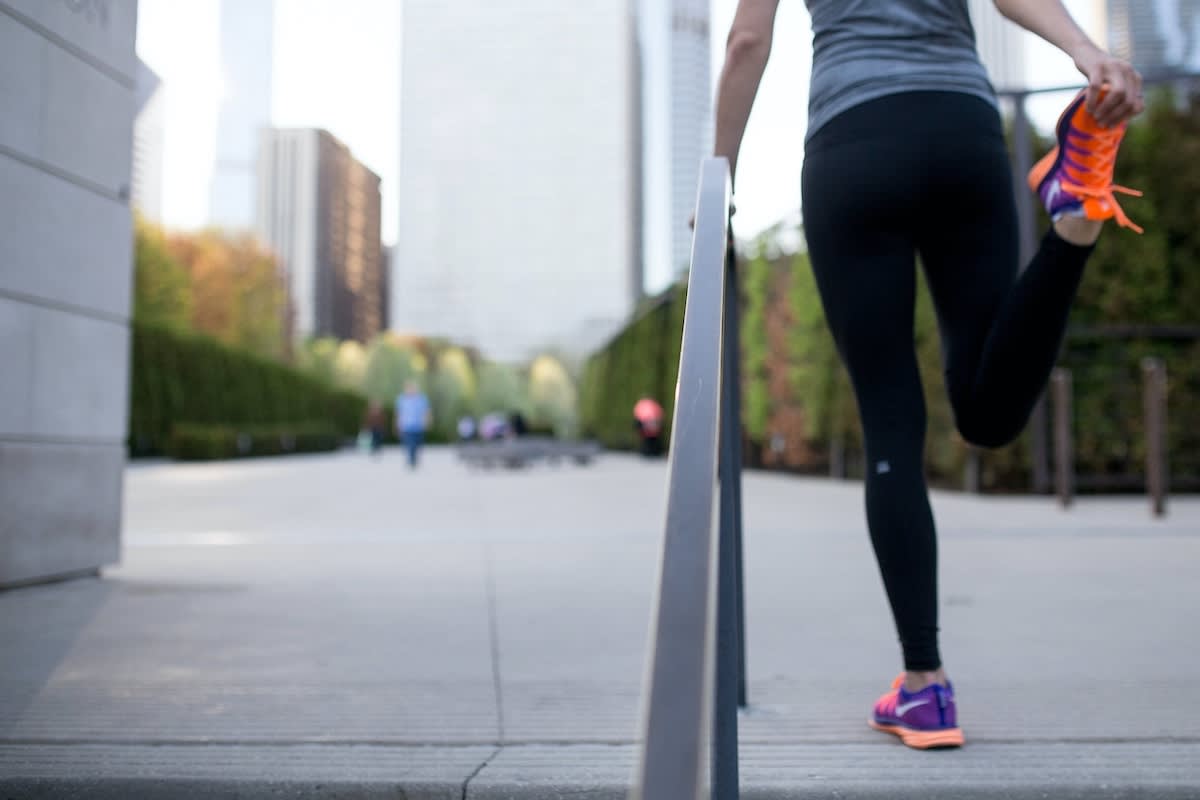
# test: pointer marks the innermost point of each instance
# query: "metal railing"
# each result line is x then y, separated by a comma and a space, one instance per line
695, 677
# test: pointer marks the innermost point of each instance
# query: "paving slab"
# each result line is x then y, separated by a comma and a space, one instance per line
224, 771
870, 772
335, 626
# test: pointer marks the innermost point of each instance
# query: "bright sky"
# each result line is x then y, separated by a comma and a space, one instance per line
337, 67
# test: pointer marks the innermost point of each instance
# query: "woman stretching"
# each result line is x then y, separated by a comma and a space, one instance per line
905, 156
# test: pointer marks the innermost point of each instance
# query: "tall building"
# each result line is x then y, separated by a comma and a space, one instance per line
1156, 35
385, 285
247, 34
319, 212
1002, 45
691, 117
149, 126
676, 39
520, 225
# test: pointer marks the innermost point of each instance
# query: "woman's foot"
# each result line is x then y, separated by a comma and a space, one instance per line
924, 719
1075, 179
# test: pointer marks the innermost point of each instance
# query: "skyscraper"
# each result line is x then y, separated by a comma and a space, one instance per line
319, 212
1156, 35
247, 34
691, 115
146, 187
519, 173
677, 38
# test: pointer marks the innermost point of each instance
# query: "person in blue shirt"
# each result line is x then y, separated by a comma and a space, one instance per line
412, 420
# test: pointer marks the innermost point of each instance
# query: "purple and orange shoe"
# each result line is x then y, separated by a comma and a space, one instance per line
923, 720
1075, 179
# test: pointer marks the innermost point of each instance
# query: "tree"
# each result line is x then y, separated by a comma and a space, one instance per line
317, 357
1153, 277
451, 388
390, 362
350, 365
756, 281
552, 395
500, 389
237, 292
162, 291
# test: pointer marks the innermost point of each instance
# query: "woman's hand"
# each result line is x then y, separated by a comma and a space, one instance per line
1114, 86
1111, 77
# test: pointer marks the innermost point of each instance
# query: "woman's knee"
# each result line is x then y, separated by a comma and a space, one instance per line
988, 431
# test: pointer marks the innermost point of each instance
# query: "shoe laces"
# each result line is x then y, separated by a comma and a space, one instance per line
1101, 145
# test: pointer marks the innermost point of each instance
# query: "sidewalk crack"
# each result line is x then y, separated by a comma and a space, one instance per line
494, 639
479, 769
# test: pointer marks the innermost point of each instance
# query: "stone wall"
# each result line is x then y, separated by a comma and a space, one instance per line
67, 75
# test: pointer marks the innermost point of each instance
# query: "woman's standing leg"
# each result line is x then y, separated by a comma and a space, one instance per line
863, 259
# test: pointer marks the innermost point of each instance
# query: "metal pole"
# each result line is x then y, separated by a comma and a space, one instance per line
735, 378
837, 457
1154, 383
724, 764
1064, 457
973, 472
1027, 221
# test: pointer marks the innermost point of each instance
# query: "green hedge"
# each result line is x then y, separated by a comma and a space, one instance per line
210, 442
185, 378
1110, 445
643, 359
795, 389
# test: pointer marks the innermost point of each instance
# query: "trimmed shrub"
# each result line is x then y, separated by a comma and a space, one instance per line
643, 359
795, 421
187, 378
212, 442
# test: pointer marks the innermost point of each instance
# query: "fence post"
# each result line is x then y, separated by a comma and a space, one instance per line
1064, 450
837, 457
1154, 394
1027, 219
973, 471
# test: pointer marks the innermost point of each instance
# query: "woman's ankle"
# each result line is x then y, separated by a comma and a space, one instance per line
916, 680
1078, 231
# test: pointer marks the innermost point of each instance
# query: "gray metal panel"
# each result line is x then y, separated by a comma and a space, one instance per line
678, 710
729, 625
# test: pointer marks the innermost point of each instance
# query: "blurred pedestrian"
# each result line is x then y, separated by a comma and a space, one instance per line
492, 427
375, 425
413, 417
648, 422
517, 426
466, 428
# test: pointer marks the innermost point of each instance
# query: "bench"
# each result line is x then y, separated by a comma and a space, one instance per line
523, 451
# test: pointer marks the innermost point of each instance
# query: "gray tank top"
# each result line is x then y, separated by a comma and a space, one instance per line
865, 49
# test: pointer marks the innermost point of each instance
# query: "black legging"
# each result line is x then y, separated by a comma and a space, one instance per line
927, 173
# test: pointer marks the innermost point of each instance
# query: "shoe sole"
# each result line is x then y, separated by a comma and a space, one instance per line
923, 740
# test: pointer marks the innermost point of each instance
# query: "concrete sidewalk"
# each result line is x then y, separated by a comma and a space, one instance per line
335, 627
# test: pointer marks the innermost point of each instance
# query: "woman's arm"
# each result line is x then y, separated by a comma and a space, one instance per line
1122, 84
746, 53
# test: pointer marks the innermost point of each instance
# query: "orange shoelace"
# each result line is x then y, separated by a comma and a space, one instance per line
1098, 148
